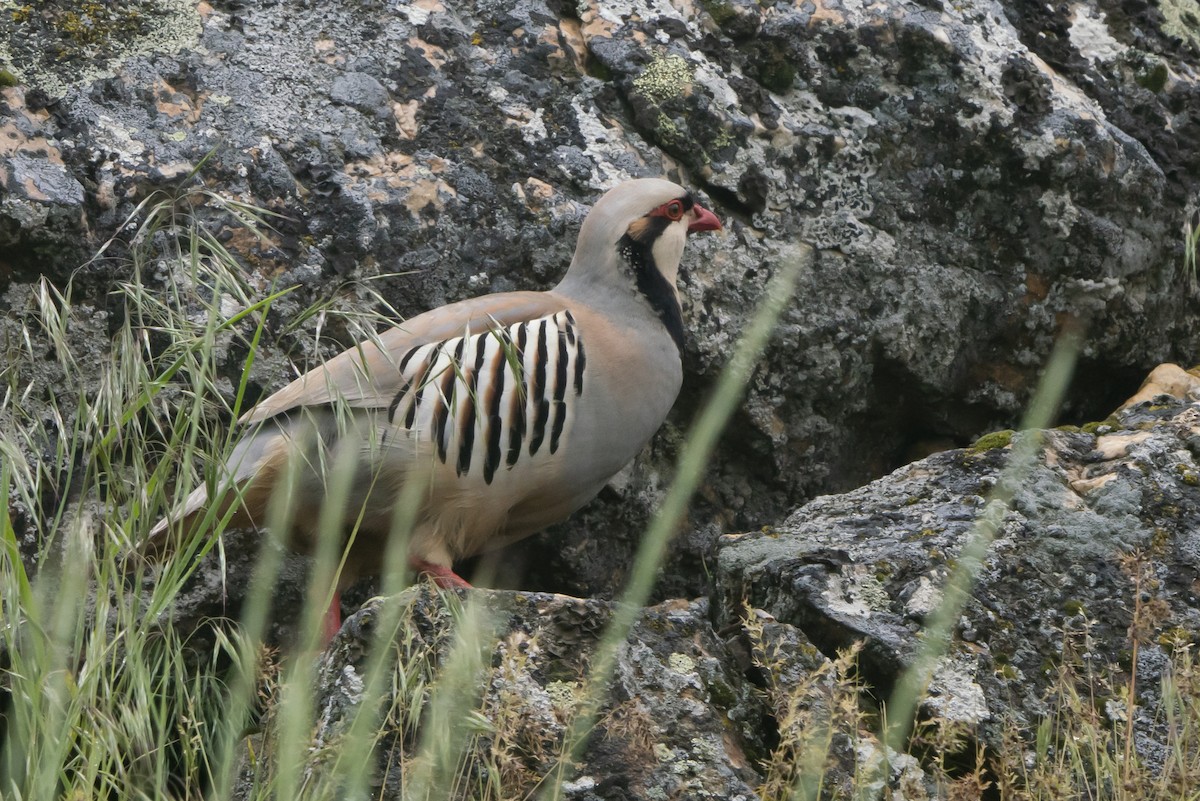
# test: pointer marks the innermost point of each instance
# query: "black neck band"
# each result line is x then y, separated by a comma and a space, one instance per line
651, 283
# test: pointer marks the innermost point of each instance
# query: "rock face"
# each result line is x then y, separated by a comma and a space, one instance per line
975, 176
1098, 549
972, 175
675, 728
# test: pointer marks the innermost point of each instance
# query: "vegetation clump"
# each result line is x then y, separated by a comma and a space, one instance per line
993, 441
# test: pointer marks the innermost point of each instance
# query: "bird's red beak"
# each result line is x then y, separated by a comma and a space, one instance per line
705, 220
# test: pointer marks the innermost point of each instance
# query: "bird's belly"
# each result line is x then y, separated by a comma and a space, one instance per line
470, 514
475, 510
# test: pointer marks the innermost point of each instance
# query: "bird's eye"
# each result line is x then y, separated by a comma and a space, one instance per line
673, 211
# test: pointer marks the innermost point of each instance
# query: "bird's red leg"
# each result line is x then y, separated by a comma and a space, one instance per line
444, 577
333, 618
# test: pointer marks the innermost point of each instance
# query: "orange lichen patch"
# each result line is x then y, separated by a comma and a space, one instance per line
13, 141
825, 14
426, 193
592, 24
173, 170
1036, 288
1086, 486
406, 118
1168, 379
570, 49
175, 104
432, 6
395, 170
326, 50
14, 96
204, 10
541, 197
1116, 446
435, 55
30, 189
538, 190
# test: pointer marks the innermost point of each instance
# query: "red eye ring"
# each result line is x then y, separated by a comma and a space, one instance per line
673, 210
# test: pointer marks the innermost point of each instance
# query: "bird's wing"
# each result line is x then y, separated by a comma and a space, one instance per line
377, 374
369, 375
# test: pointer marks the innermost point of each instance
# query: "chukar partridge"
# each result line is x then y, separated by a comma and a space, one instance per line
512, 410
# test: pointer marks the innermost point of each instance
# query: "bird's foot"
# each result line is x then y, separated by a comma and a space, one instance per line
441, 575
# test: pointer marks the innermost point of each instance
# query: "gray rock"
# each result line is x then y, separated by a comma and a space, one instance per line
674, 726
1100, 532
963, 197
362, 92
41, 180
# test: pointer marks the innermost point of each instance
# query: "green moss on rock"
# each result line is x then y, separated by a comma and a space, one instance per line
721, 12
992, 441
1155, 78
777, 74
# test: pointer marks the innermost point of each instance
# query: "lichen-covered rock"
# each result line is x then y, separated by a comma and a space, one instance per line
42, 200
689, 714
1098, 551
675, 725
972, 174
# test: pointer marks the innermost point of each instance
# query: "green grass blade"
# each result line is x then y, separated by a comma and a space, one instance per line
693, 460
902, 706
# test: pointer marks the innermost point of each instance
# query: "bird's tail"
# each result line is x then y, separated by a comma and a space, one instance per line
182, 523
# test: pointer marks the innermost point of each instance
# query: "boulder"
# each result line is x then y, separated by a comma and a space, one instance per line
676, 725
1092, 576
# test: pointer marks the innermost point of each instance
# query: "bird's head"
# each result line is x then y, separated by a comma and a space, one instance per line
643, 224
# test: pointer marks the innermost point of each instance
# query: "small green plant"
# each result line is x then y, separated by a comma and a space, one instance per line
105, 698
1191, 251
